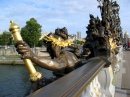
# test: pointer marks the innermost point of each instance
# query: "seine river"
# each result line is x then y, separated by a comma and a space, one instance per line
14, 80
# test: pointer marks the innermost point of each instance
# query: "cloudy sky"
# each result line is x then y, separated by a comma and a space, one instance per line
72, 14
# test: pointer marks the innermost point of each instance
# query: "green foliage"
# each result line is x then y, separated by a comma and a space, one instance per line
40, 43
79, 42
31, 32
6, 38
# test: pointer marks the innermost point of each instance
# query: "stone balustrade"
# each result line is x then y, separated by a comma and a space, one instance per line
102, 85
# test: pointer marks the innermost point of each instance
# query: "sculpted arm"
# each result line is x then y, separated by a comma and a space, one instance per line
50, 64
47, 63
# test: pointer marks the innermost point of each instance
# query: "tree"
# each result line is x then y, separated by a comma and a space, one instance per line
6, 38
40, 43
31, 32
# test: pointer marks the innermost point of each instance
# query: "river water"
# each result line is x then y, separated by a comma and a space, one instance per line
14, 80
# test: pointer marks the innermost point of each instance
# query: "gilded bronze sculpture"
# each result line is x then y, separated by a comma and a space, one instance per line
103, 36
62, 61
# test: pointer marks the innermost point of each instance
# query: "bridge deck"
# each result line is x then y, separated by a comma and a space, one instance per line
122, 81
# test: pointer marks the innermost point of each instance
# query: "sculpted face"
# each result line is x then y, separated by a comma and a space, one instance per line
56, 41
63, 33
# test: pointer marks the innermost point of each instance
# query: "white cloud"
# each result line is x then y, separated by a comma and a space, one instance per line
74, 14
3, 18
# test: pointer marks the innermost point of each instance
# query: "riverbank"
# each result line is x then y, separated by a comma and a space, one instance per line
14, 61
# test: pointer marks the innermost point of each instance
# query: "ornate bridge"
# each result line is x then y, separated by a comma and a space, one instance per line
90, 73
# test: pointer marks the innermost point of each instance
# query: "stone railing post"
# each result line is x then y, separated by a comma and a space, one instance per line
105, 78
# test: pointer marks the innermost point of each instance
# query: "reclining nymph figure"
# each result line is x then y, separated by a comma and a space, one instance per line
61, 61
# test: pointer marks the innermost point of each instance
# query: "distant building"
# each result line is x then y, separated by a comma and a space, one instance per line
126, 37
78, 35
72, 37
